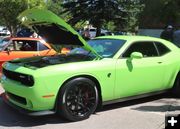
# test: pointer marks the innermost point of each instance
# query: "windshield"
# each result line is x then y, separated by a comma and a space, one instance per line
105, 47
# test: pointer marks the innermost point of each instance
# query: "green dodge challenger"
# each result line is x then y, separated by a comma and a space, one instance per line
104, 70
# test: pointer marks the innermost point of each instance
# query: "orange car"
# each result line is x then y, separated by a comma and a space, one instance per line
24, 47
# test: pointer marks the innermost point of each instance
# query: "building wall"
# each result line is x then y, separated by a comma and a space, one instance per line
150, 32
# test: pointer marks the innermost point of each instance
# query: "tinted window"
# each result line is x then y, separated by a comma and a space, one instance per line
42, 47
23, 45
146, 48
162, 48
106, 47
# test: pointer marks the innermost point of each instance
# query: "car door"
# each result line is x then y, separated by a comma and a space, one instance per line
24, 48
139, 75
20, 49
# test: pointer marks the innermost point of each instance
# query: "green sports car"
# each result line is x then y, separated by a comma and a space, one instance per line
104, 70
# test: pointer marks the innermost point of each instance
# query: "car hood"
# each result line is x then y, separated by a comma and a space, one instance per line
44, 61
52, 28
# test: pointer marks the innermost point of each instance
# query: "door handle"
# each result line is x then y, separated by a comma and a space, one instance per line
159, 62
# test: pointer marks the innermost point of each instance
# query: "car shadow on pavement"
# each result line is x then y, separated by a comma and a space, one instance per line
162, 98
9, 117
167, 104
163, 108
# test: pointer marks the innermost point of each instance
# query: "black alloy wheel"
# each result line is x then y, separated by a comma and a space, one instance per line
78, 99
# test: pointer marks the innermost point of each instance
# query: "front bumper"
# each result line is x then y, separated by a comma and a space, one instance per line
28, 98
26, 111
39, 97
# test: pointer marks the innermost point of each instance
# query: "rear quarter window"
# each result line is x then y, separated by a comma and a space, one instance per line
162, 49
42, 46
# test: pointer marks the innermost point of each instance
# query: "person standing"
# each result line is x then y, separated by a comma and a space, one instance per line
176, 37
86, 34
167, 34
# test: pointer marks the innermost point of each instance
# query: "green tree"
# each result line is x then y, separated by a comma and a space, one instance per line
97, 12
110, 26
10, 9
170, 11
133, 9
36, 4
158, 13
55, 6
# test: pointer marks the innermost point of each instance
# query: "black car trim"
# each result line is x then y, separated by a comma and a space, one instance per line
134, 97
26, 111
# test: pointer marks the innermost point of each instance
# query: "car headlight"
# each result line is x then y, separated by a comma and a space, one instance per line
25, 79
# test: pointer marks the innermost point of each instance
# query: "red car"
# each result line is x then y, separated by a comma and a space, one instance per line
24, 47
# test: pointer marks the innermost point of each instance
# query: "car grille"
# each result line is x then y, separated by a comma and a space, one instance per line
16, 98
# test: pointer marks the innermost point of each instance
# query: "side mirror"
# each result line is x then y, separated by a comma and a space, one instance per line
135, 55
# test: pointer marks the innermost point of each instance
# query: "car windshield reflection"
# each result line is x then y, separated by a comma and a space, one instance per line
106, 48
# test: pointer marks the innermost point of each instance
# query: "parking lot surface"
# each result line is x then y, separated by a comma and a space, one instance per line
146, 113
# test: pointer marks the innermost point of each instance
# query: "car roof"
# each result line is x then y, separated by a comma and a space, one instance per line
25, 38
132, 38
135, 38
32, 39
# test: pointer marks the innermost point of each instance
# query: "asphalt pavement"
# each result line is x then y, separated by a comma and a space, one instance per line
146, 113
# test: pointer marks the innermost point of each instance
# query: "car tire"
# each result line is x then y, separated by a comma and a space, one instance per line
77, 99
176, 87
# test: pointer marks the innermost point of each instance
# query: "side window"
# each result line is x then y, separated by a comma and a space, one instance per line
162, 48
42, 46
26, 45
22, 45
11, 46
146, 48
